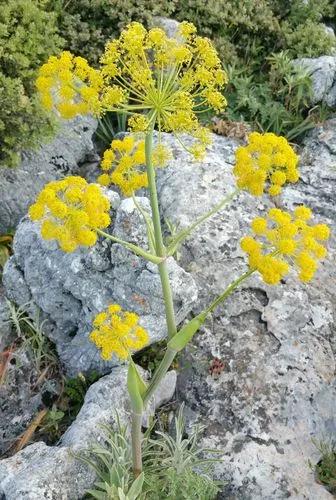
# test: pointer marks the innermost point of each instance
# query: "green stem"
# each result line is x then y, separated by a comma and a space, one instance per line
134, 248
136, 443
185, 232
159, 246
159, 374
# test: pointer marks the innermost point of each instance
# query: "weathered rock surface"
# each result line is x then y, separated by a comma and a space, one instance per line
276, 345
19, 186
20, 401
170, 26
54, 472
70, 289
6, 335
323, 74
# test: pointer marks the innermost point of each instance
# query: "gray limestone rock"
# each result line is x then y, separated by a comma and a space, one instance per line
54, 472
6, 334
276, 389
170, 26
323, 73
19, 186
70, 289
20, 401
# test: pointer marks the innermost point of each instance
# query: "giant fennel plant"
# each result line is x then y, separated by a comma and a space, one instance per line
163, 84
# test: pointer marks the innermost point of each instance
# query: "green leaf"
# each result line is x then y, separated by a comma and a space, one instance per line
183, 336
136, 487
135, 387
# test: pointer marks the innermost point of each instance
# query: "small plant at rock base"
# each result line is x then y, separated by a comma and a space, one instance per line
50, 424
325, 469
174, 467
164, 84
74, 391
30, 333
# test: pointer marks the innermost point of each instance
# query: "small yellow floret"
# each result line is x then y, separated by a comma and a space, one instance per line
321, 232
118, 332
71, 211
303, 213
259, 225
267, 162
286, 240
36, 211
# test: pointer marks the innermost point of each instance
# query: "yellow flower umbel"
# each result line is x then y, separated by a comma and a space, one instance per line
118, 332
267, 160
124, 164
71, 211
164, 81
285, 240
69, 84
159, 81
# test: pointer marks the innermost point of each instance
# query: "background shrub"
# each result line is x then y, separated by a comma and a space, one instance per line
27, 36
253, 29
257, 41
86, 25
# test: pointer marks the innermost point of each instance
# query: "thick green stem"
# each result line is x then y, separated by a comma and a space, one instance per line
136, 443
159, 246
159, 374
168, 303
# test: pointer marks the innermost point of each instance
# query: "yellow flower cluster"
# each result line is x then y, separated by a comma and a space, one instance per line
118, 332
124, 164
267, 159
159, 81
284, 240
71, 211
69, 84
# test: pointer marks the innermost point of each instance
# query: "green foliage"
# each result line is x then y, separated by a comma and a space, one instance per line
280, 104
30, 332
86, 25
27, 36
170, 466
326, 468
75, 390
251, 37
64, 410
150, 357
309, 40
112, 461
109, 126
300, 11
236, 26
242, 29
177, 467
51, 423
